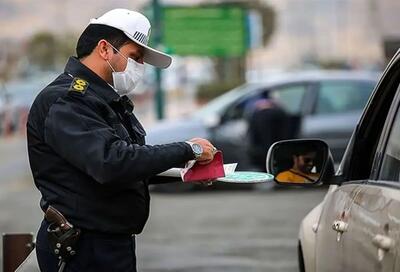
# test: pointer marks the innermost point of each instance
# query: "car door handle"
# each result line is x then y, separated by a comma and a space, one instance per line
339, 226
383, 243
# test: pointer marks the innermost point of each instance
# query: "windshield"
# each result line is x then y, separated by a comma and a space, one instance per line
217, 105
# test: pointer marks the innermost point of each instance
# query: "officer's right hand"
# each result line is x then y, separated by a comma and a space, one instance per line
208, 150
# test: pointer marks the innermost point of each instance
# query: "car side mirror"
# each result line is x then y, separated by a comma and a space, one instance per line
300, 162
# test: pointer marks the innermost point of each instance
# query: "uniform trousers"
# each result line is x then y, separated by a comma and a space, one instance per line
94, 252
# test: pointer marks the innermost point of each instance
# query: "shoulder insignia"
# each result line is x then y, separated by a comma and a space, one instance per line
78, 85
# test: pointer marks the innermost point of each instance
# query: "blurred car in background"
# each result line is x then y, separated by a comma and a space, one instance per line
327, 104
16, 98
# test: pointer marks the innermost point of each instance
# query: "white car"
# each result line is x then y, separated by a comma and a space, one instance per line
357, 225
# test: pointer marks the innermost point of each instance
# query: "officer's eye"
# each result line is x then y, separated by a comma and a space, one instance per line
140, 60
137, 58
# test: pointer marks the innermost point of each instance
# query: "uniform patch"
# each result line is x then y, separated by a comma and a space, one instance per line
79, 85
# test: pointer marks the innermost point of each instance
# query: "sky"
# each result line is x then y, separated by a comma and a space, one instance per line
20, 19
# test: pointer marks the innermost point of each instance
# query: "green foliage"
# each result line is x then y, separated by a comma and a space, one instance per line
66, 47
42, 50
47, 51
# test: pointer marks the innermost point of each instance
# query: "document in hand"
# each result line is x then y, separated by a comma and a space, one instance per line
194, 172
216, 171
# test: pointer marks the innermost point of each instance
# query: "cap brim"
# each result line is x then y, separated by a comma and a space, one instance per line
152, 56
156, 58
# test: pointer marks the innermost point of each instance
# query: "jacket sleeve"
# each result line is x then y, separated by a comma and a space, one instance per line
75, 130
164, 180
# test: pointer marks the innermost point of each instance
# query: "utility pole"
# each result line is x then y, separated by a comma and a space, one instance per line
157, 32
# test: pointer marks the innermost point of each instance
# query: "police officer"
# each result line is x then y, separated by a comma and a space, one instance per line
87, 150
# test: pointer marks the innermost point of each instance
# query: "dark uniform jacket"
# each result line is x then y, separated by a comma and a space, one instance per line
266, 126
87, 153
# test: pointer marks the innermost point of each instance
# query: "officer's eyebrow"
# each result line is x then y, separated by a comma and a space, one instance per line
139, 53
135, 55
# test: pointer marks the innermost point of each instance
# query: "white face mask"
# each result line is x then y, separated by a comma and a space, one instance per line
126, 81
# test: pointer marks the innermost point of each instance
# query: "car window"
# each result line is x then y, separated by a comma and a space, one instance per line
342, 96
219, 104
390, 169
244, 108
290, 97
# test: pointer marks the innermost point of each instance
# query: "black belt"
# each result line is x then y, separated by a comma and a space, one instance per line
106, 235
102, 234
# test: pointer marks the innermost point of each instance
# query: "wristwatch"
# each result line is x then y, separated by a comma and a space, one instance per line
197, 149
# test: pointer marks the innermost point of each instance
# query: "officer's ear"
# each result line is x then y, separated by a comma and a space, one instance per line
104, 49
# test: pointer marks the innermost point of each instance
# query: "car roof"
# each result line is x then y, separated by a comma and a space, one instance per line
277, 78
281, 78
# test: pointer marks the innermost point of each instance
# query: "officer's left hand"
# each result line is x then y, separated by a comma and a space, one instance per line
208, 150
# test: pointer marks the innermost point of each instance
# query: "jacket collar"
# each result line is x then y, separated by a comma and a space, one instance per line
100, 87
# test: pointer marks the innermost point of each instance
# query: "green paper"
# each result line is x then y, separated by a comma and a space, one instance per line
247, 177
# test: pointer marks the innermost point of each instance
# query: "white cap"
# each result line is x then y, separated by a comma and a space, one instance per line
137, 28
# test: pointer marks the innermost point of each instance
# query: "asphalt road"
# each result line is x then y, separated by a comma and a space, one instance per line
198, 232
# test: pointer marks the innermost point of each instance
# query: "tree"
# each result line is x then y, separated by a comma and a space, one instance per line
66, 47
47, 51
268, 16
42, 50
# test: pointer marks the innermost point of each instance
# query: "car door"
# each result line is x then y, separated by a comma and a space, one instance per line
294, 99
329, 249
369, 241
373, 235
358, 231
359, 223
337, 109
231, 135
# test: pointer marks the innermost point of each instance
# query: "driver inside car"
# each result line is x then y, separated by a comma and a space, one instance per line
303, 169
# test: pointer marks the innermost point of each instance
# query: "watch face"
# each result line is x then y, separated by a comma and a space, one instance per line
197, 149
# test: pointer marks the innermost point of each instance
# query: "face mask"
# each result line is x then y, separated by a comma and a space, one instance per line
126, 81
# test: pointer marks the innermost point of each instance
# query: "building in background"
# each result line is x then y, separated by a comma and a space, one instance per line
312, 32
389, 25
358, 33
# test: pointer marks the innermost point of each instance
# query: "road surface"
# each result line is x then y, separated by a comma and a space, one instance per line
199, 232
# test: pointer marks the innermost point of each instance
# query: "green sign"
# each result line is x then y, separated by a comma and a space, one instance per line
205, 31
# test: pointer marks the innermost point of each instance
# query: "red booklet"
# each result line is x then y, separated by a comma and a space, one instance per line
204, 172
